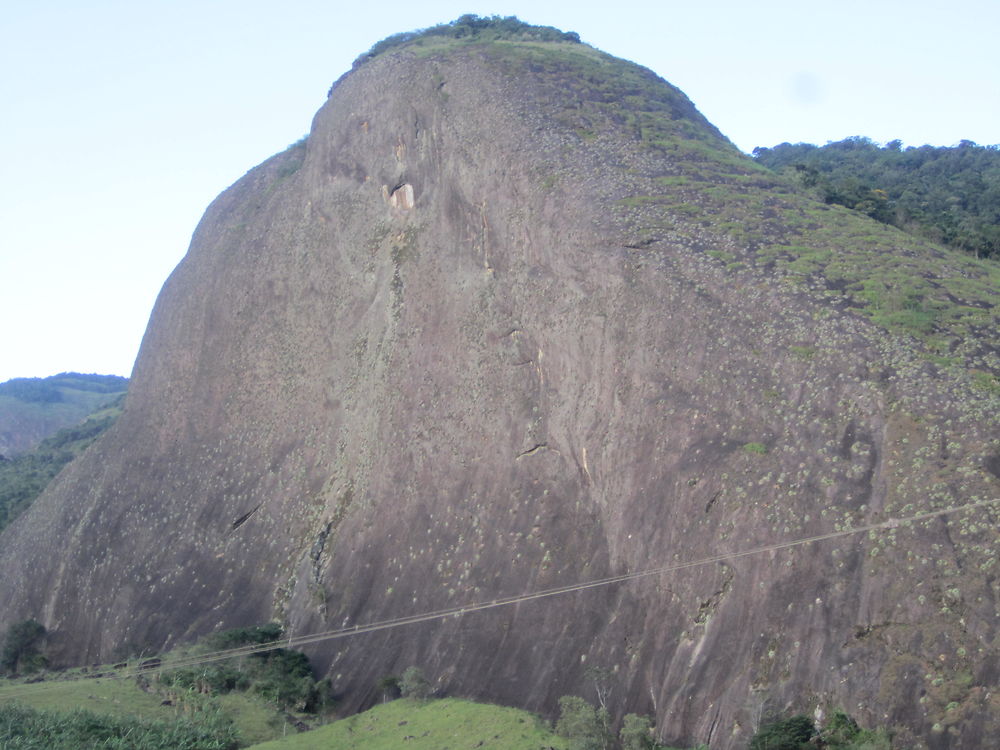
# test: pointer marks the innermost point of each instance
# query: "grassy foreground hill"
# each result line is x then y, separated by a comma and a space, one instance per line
115, 712
50, 707
178, 699
74, 712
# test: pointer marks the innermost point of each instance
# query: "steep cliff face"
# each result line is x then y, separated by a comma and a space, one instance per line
516, 316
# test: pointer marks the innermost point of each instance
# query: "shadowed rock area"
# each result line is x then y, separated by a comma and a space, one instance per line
516, 316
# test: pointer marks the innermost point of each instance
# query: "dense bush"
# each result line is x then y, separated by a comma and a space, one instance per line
799, 733
792, 733
239, 637
214, 679
413, 684
584, 726
30, 729
20, 647
281, 676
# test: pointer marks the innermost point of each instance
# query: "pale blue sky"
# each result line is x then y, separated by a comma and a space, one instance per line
123, 119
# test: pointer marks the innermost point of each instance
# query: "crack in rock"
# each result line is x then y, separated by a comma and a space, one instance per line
531, 451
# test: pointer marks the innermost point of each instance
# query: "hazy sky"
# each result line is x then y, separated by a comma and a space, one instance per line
123, 119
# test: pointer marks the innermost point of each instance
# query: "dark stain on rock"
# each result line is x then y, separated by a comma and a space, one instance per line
244, 518
992, 465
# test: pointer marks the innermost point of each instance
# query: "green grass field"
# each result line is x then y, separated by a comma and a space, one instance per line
255, 720
446, 724
118, 697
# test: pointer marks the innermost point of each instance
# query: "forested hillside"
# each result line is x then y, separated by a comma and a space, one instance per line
32, 409
949, 195
23, 478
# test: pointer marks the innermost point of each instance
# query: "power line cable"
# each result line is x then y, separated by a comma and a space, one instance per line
155, 666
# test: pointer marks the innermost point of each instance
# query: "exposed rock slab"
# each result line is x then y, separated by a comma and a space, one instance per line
459, 345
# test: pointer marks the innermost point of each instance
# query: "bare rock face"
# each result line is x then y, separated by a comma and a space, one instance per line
516, 316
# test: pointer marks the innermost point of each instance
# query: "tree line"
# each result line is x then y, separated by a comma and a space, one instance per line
49, 390
949, 195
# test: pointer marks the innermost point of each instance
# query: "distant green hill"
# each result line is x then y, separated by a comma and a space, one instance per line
31, 409
23, 477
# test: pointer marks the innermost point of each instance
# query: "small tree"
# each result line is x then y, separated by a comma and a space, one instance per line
388, 687
604, 680
20, 647
584, 726
413, 684
636, 733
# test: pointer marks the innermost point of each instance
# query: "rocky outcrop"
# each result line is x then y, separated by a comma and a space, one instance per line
516, 316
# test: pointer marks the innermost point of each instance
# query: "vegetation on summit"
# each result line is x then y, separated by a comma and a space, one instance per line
474, 28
